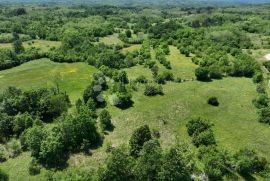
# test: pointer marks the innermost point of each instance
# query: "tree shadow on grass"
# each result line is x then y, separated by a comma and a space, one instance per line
248, 177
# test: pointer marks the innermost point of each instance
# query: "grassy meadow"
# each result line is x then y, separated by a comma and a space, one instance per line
235, 120
40, 73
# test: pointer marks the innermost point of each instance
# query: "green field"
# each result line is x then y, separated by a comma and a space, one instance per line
111, 40
40, 73
43, 45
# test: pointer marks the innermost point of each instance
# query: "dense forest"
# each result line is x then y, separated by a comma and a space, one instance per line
107, 92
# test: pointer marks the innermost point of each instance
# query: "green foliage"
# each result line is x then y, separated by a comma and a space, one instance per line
119, 166
174, 167
257, 77
152, 90
216, 163
105, 120
202, 74
261, 101
22, 122
34, 167
14, 148
248, 162
150, 161
3, 176
213, 101
138, 138
201, 132
17, 46
197, 125
265, 115
33, 138
52, 148
141, 79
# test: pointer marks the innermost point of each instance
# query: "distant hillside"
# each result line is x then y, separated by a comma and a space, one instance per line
139, 2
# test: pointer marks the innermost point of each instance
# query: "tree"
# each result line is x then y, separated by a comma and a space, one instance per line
149, 163
5, 127
204, 138
33, 138
264, 115
213, 101
22, 122
52, 148
121, 77
128, 33
198, 125
202, 73
18, 46
118, 167
3, 176
105, 120
78, 129
174, 167
248, 162
152, 90
138, 138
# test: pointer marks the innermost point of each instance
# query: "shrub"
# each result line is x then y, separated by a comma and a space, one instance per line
152, 90
3, 153
202, 73
257, 77
265, 115
204, 138
213, 101
34, 167
248, 162
261, 101
14, 148
105, 120
138, 138
3, 176
22, 122
174, 167
118, 167
198, 125
141, 79
150, 161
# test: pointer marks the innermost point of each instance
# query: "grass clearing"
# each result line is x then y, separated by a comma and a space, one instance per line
182, 66
111, 40
43, 45
131, 48
39, 73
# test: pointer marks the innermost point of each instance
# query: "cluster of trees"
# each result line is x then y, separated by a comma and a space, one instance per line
218, 163
23, 112
145, 160
51, 147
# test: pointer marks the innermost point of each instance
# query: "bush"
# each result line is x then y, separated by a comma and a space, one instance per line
202, 73
152, 90
14, 148
264, 115
34, 167
213, 101
3, 153
3, 176
261, 101
248, 162
204, 138
257, 77
138, 138
105, 120
22, 122
197, 125
141, 79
